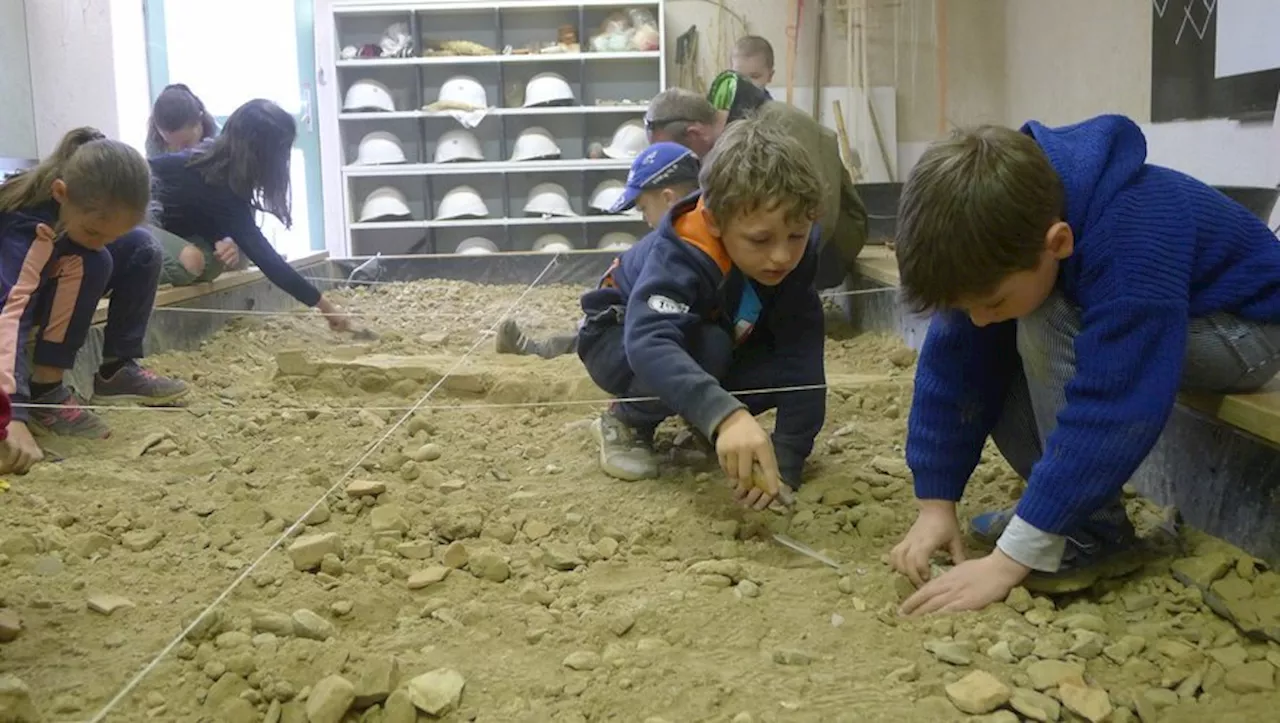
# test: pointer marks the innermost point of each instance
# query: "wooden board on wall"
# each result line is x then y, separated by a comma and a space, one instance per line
1184, 38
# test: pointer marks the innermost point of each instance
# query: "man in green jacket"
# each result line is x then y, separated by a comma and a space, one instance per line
695, 122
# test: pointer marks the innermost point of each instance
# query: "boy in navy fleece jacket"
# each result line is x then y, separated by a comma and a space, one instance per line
718, 299
1079, 288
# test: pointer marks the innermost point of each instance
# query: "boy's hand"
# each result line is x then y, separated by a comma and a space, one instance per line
19, 452
740, 444
935, 527
971, 585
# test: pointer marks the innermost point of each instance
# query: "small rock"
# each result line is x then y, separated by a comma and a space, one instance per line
307, 624
10, 625
952, 652
561, 557
416, 550
365, 488
1082, 621
107, 604
438, 692
1019, 599
1230, 657
308, 551
1045, 674
388, 518
378, 677
582, 660
978, 692
1255, 677
892, 467
1036, 706
428, 452
791, 656
1001, 653
536, 530
1087, 645
1138, 602
906, 674
1160, 697
621, 623
747, 589
399, 708
1089, 703
456, 555
1201, 571
1125, 648
268, 621
329, 700
15, 701
427, 577
140, 540
488, 565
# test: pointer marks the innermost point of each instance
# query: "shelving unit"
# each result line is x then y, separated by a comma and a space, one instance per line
609, 87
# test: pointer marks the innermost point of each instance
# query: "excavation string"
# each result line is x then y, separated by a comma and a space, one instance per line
244, 574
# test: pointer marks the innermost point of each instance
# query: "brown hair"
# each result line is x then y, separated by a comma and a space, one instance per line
755, 165
675, 109
974, 210
251, 156
100, 174
754, 46
176, 108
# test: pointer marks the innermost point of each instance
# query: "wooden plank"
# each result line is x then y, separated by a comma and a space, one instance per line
171, 295
1257, 413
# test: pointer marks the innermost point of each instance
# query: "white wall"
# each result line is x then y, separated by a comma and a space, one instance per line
17, 122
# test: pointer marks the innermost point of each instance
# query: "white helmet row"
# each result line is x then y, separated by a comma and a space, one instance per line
368, 95
548, 89
616, 241
552, 243
476, 246
628, 140
606, 196
535, 143
461, 202
379, 148
458, 145
548, 199
463, 91
386, 203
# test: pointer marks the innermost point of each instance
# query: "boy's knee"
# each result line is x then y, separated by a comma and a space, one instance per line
192, 259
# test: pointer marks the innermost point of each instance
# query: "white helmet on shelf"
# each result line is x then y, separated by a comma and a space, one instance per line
616, 241
606, 195
548, 199
628, 140
462, 202
458, 144
379, 147
533, 144
476, 246
548, 89
463, 90
384, 204
552, 243
368, 95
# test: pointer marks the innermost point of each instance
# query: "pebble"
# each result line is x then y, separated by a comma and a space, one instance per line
1045, 674
747, 589
388, 518
1082, 621
1138, 602
1125, 648
846, 585
140, 540
399, 708
427, 577
1092, 704
1255, 677
1039, 616
906, 674
1036, 706
607, 547
416, 550
456, 556
561, 557
329, 700
536, 530
107, 604
307, 624
947, 651
1087, 644
10, 625
1232, 656
268, 621
308, 551
1001, 653
978, 692
1160, 697
378, 677
582, 660
365, 488
489, 565
791, 656
438, 692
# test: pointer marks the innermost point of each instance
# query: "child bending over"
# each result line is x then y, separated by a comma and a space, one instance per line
212, 192
753, 57
661, 175
1078, 289
68, 234
178, 121
719, 298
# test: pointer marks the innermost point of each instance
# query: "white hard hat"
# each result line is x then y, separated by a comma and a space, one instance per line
616, 241
606, 195
458, 144
627, 141
548, 89
379, 147
476, 246
549, 199
552, 243
386, 202
533, 144
463, 90
368, 95
462, 202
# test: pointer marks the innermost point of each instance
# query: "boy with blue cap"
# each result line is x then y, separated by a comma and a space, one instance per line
660, 176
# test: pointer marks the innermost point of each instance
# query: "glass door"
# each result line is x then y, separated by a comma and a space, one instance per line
228, 59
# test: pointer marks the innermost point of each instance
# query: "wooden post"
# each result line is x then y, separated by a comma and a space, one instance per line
940, 19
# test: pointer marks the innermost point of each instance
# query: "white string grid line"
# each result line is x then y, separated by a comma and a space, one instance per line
244, 574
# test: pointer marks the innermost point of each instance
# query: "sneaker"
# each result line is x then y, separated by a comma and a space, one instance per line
135, 384
67, 418
625, 452
509, 339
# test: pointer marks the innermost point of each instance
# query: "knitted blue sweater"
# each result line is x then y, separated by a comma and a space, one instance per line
1153, 249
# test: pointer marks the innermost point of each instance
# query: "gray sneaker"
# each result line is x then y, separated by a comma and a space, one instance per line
625, 452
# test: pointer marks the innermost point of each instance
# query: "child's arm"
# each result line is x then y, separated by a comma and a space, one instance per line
238, 223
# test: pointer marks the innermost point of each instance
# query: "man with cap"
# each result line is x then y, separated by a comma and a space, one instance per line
695, 122
660, 176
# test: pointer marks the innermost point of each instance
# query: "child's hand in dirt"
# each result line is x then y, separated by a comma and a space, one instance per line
19, 452
935, 528
336, 318
740, 444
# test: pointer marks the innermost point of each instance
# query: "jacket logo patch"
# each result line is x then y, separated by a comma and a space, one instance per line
663, 305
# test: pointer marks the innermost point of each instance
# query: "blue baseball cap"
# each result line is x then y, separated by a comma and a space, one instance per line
661, 165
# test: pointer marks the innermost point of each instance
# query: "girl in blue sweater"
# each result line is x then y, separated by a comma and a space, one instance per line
1078, 289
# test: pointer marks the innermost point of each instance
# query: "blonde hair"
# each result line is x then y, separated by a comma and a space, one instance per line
100, 175
755, 164
754, 46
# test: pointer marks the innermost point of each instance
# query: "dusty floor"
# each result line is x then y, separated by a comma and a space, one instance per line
555, 593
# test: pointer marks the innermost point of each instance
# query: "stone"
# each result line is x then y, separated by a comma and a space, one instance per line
269, 621
329, 700
1036, 706
307, 624
416, 550
308, 551
489, 565
561, 557
747, 589
791, 656
1000, 652
399, 708
536, 530
239, 710
1019, 599
1045, 674
365, 488
1092, 704
10, 625
892, 467
428, 452
456, 555
948, 651
1160, 697
1201, 571
1256, 677
1082, 621
1137, 602
1232, 656
582, 660
16, 705
438, 692
1087, 644
140, 540
1125, 648
978, 692
428, 577
841, 497
388, 518
378, 677
107, 604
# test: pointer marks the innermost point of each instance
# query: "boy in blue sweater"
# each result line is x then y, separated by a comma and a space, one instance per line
1078, 289
718, 299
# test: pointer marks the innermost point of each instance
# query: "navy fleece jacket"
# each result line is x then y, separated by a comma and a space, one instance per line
193, 208
678, 277
1154, 248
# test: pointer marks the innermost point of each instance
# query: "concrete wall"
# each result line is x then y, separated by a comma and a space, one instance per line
17, 122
